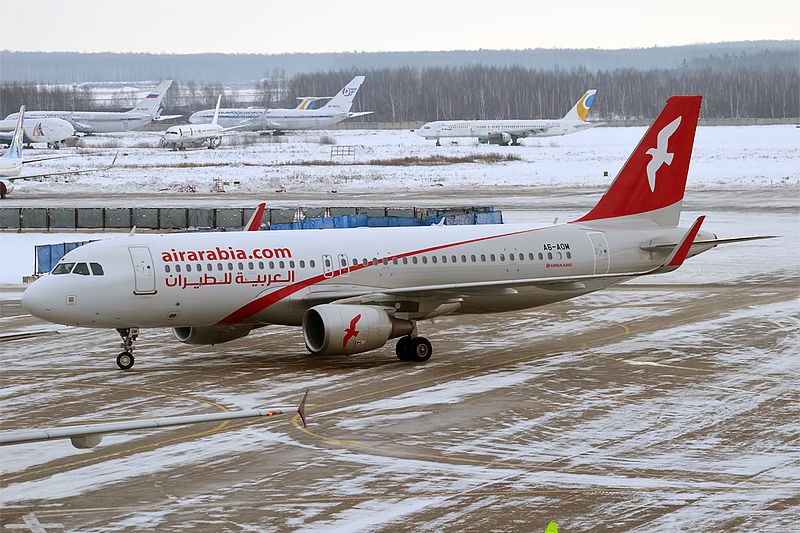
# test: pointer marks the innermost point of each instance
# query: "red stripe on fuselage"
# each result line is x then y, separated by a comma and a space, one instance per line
259, 304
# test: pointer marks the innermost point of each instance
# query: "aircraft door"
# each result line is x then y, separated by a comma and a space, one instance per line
143, 271
327, 266
602, 257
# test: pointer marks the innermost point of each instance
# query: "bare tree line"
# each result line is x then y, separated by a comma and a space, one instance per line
730, 90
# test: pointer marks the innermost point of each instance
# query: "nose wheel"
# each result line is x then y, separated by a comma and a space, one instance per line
129, 336
125, 360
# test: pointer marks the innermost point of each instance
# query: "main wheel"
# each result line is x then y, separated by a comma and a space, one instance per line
420, 350
125, 360
403, 348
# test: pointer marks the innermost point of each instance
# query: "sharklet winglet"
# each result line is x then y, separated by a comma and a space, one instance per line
301, 409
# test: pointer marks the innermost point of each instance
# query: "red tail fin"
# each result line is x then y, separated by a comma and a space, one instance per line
653, 179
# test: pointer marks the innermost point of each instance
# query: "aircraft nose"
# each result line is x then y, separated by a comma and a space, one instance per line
36, 300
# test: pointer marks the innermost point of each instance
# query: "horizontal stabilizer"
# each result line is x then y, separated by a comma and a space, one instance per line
359, 114
166, 117
712, 242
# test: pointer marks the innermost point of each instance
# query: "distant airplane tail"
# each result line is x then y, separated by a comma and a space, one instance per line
653, 180
309, 102
216, 111
15, 149
152, 102
580, 110
343, 100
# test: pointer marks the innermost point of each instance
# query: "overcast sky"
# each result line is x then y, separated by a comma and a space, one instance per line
242, 26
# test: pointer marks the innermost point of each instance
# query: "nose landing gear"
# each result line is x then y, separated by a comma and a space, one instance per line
129, 335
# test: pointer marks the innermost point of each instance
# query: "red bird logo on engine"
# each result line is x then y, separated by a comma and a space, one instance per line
351, 332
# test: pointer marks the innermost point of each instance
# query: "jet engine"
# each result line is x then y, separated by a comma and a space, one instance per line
6, 187
210, 334
339, 329
502, 138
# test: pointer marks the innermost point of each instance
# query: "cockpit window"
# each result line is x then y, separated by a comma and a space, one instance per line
63, 268
97, 269
82, 269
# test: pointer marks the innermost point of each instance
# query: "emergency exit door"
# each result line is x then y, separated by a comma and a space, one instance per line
602, 257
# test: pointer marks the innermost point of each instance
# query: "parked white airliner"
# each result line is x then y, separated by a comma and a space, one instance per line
145, 112
351, 290
52, 131
210, 135
12, 162
505, 132
300, 118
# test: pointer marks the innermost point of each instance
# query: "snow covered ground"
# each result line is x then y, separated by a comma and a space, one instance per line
724, 157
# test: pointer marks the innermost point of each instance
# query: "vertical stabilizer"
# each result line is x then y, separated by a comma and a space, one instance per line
653, 180
580, 110
216, 111
151, 103
343, 101
15, 149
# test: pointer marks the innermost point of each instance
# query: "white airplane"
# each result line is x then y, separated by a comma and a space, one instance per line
179, 137
300, 118
90, 435
351, 290
145, 112
52, 131
12, 162
505, 132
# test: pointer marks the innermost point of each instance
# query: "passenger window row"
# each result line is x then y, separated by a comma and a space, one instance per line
240, 266
414, 260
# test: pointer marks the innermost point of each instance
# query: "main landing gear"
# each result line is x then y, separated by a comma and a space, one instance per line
416, 349
129, 335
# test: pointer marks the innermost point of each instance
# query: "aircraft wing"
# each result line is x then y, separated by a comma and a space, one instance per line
63, 173
27, 160
89, 436
359, 114
240, 126
80, 126
448, 291
534, 131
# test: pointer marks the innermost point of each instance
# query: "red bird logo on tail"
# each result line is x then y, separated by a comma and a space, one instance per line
351, 332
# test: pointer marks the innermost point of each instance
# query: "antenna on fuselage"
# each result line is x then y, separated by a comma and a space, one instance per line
133, 232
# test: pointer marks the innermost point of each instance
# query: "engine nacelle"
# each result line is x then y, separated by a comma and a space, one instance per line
210, 334
6, 187
501, 138
334, 329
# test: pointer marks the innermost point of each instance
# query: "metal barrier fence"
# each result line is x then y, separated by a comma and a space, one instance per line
46, 256
183, 218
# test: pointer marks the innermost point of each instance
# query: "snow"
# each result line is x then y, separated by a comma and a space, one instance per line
724, 156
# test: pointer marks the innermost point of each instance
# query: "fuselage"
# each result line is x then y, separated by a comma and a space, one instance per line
272, 119
41, 130
271, 277
192, 134
485, 129
10, 167
95, 121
